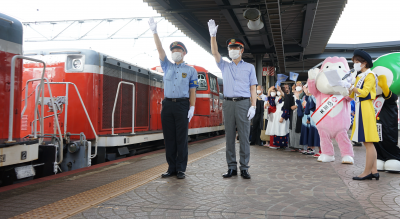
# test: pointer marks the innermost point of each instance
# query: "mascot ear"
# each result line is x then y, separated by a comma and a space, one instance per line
312, 73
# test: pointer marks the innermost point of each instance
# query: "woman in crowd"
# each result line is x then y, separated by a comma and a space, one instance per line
265, 138
364, 126
278, 127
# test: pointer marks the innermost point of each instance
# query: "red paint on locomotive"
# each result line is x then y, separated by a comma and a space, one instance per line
10, 45
97, 84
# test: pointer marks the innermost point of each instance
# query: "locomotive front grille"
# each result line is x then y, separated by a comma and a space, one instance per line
112, 75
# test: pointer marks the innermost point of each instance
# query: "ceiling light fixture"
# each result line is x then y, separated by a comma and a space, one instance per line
253, 15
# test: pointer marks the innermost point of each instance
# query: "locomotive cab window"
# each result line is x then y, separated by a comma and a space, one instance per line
213, 84
201, 79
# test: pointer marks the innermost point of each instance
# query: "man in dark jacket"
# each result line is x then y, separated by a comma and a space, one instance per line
295, 122
258, 118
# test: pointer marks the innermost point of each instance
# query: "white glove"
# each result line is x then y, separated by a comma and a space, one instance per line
190, 113
212, 28
345, 84
153, 25
312, 73
251, 113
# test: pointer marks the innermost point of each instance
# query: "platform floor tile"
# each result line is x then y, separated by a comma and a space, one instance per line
283, 185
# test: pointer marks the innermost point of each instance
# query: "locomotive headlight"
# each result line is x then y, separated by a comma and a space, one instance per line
76, 63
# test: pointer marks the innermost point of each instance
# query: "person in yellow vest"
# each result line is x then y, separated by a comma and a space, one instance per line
364, 126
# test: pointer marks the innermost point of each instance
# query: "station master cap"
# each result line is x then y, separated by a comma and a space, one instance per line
365, 56
234, 42
179, 45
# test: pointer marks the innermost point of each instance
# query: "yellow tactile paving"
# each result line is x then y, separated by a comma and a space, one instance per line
74, 204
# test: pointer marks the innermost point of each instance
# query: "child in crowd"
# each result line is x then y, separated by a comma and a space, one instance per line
309, 132
278, 126
313, 135
305, 122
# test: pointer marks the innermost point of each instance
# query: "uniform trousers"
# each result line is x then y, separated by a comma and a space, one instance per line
235, 115
175, 124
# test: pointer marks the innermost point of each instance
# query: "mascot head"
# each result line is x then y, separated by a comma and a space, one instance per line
331, 63
389, 65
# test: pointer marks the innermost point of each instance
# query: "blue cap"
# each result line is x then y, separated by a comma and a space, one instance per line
365, 56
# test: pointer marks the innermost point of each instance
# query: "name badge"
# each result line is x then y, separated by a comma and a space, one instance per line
379, 127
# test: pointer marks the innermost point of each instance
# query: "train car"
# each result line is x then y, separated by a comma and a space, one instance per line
16, 151
107, 108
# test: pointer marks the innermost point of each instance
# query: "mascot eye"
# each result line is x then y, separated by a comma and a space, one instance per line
340, 66
327, 66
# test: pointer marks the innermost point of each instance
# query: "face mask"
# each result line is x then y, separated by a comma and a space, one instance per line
357, 66
176, 56
298, 89
234, 54
258, 92
278, 93
273, 94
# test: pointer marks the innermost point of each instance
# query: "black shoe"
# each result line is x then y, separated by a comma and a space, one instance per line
245, 174
168, 174
230, 173
180, 175
356, 143
376, 176
370, 176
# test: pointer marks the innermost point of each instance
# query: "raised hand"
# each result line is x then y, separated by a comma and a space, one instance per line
153, 25
312, 73
212, 28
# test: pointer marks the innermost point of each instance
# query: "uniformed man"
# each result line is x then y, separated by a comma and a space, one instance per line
240, 83
180, 83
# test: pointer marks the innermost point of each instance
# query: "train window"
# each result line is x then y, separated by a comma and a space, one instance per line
201, 79
213, 84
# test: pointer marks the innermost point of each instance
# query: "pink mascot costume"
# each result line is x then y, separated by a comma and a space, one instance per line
332, 113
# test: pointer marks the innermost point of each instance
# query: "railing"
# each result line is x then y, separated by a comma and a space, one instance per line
66, 109
11, 117
133, 106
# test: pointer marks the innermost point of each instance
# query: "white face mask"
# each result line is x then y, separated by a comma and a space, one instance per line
278, 93
273, 94
177, 56
298, 89
234, 54
357, 66
258, 92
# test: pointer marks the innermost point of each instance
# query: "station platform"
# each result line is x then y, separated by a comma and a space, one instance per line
283, 185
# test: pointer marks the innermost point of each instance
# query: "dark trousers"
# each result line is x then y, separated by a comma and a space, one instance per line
175, 124
256, 130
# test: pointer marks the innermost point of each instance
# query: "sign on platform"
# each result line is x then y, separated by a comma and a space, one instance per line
268, 71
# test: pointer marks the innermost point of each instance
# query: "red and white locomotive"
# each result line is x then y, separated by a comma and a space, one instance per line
107, 108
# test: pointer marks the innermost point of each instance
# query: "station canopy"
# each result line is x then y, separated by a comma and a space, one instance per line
294, 36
